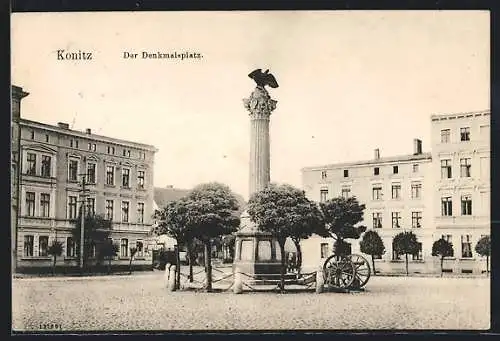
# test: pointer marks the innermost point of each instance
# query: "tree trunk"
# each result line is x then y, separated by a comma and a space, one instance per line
299, 254
54, 266
208, 265
373, 266
109, 266
178, 268
442, 258
406, 259
190, 258
130, 265
283, 266
487, 264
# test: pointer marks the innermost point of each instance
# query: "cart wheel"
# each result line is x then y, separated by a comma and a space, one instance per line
338, 272
362, 271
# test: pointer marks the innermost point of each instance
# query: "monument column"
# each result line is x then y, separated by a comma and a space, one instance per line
260, 105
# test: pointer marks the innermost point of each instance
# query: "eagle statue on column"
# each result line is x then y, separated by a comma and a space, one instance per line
263, 78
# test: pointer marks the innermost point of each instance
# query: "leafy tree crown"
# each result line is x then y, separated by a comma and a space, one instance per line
341, 216
442, 248
483, 246
55, 249
406, 243
372, 244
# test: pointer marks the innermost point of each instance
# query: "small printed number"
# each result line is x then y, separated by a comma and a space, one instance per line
50, 326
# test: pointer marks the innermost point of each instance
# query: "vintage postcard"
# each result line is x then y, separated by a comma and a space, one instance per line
250, 170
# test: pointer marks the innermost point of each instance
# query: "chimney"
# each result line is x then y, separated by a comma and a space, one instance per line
417, 146
377, 154
63, 125
88, 131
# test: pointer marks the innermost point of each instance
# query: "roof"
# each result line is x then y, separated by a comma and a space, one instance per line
389, 159
439, 117
164, 195
82, 134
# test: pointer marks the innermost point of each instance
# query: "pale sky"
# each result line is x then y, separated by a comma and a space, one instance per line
350, 81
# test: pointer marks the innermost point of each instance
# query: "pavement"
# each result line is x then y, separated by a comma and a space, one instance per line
142, 302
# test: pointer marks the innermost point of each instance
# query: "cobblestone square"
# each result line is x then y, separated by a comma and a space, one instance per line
141, 302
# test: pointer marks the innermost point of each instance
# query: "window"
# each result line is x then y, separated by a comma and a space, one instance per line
415, 168
448, 238
110, 175
109, 209
396, 191
45, 171
91, 173
323, 195
72, 200
140, 179
46, 137
140, 248
246, 250
140, 213
395, 255
30, 204
32, 135
416, 190
142, 155
377, 220
126, 177
377, 193
264, 250
465, 134
465, 165
416, 219
92, 147
43, 245
346, 173
466, 246
396, 218
446, 206
28, 246
71, 143
31, 164
445, 135
125, 207
90, 206
376, 171
126, 152
324, 250
111, 150
346, 191
70, 247
418, 255
395, 169
76, 144
445, 169
323, 175
124, 247
45, 205
73, 170
466, 205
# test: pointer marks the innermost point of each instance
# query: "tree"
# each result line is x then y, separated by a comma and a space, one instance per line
108, 250
96, 232
341, 215
173, 221
483, 248
212, 212
285, 212
442, 248
133, 251
372, 245
55, 250
406, 243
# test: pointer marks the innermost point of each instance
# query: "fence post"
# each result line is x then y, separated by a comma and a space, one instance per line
171, 279
320, 281
238, 283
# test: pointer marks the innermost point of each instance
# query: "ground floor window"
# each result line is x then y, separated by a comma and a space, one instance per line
70, 247
418, 255
124, 247
140, 248
28, 246
395, 255
324, 250
466, 246
43, 245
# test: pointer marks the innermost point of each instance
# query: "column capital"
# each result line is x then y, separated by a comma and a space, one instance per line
259, 104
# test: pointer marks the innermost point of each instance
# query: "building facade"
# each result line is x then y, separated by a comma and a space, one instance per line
119, 180
17, 95
441, 194
397, 193
461, 168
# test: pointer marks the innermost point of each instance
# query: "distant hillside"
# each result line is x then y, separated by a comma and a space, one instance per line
164, 195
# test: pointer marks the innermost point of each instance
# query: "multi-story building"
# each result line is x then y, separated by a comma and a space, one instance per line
17, 95
119, 179
461, 167
441, 194
396, 192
